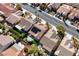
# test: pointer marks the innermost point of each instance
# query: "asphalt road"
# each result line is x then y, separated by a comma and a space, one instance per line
53, 20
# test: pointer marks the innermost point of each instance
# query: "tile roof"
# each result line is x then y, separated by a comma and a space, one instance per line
63, 51
49, 40
5, 41
65, 9
77, 13
25, 24
47, 43
72, 14
18, 13
54, 5
65, 48
13, 51
13, 19
6, 9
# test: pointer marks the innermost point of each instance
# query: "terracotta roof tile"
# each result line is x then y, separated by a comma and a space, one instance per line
7, 10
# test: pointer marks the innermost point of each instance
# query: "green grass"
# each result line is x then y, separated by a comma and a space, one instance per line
34, 42
15, 32
1, 26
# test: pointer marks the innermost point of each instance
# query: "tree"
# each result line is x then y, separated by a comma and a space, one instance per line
43, 6
12, 4
18, 7
61, 31
58, 15
75, 42
37, 19
25, 14
33, 50
3, 16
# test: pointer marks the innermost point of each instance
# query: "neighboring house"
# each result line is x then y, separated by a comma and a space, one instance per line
66, 48
54, 6
5, 42
77, 14
72, 15
64, 9
50, 41
13, 19
7, 10
25, 24
16, 50
10, 4
38, 30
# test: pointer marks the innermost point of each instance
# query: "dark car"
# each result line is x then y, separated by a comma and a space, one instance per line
77, 30
40, 10
24, 3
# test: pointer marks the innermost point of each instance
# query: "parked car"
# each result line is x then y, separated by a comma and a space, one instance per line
40, 10
77, 30
25, 3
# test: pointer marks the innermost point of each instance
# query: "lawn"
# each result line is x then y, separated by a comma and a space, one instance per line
1, 26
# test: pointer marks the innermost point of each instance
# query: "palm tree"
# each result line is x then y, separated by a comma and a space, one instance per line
33, 50
25, 14
3, 16
75, 42
61, 31
18, 7
12, 5
43, 6
37, 19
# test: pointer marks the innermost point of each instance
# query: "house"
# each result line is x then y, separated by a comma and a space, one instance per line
38, 30
66, 48
5, 42
77, 14
16, 50
64, 9
6, 9
72, 14
54, 6
25, 24
13, 19
50, 41
10, 4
